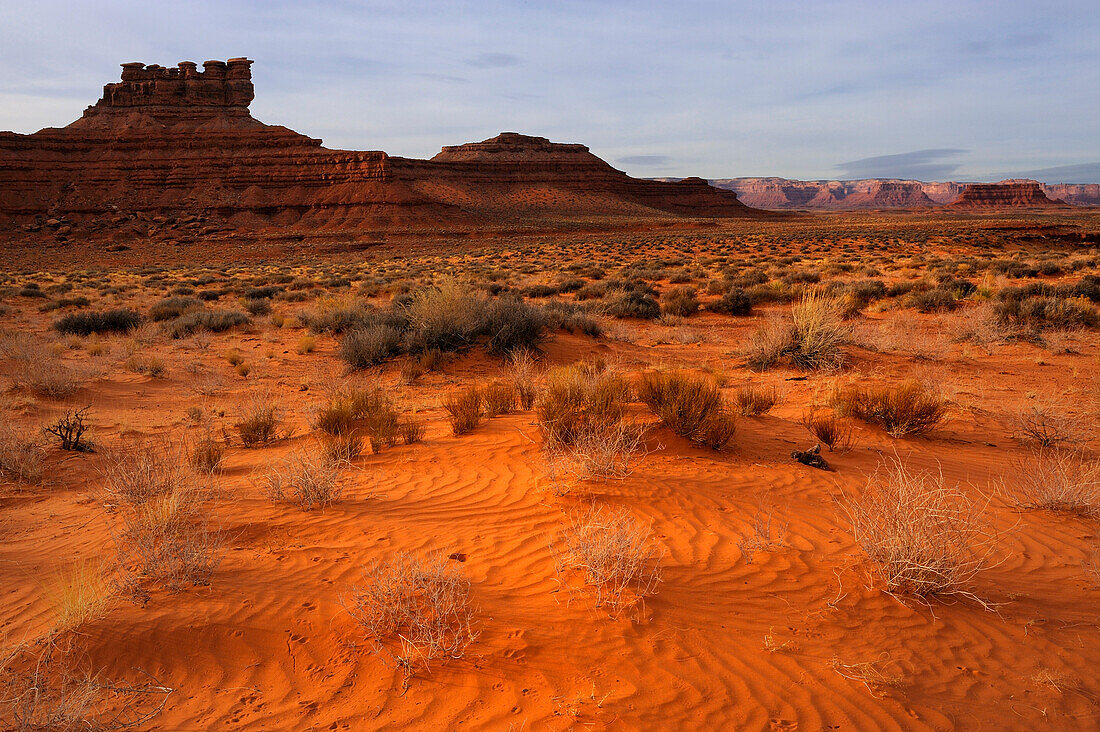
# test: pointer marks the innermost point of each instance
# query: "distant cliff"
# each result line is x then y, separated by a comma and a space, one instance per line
876, 193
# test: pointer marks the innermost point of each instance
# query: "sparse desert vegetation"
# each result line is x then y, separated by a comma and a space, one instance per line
514, 440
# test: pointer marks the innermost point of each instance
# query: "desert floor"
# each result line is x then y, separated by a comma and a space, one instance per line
769, 612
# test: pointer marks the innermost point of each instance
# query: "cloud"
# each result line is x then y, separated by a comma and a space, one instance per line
493, 60
651, 161
932, 164
1082, 173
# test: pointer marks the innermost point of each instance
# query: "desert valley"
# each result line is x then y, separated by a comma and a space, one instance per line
307, 438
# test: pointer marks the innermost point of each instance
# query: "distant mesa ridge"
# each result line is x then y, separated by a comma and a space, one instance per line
168, 142
879, 193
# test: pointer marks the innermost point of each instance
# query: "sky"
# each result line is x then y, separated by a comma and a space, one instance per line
720, 89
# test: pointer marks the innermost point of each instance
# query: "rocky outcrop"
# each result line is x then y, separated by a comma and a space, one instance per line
1006, 194
175, 143
520, 171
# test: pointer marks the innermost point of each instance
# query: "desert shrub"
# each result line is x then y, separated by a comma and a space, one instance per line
682, 301
365, 347
66, 302
907, 409
811, 338
1045, 424
835, 434
1056, 480
522, 378
753, 400
257, 305
735, 301
498, 397
411, 430
983, 326
1040, 313
120, 320
206, 454
342, 448
512, 325
414, 610
307, 478
464, 409
632, 304
48, 685
608, 453
334, 316
572, 318
173, 307
259, 422
933, 300
578, 399
146, 364
20, 459
819, 332
69, 429
769, 343
447, 317
214, 321
139, 472
689, 405
169, 539
352, 411
922, 536
614, 556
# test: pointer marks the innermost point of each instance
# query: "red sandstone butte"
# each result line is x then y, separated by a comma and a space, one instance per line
1006, 194
167, 144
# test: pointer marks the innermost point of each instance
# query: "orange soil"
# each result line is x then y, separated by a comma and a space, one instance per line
726, 643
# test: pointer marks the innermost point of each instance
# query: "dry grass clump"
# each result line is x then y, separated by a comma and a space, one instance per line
411, 430
307, 478
498, 398
580, 399
835, 434
604, 454
206, 453
350, 412
163, 531
169, 539
41, 690
754, 400
259, 421
691, 406
20, 459
80, 593
39, 371
923, 537
522, 377
415, 610
464, 409
138, 472
1056, 480
811, 337
1045, 424
613, 554
907, 409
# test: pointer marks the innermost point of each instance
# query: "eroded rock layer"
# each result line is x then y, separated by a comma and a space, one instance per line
1006, 194
172, 143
